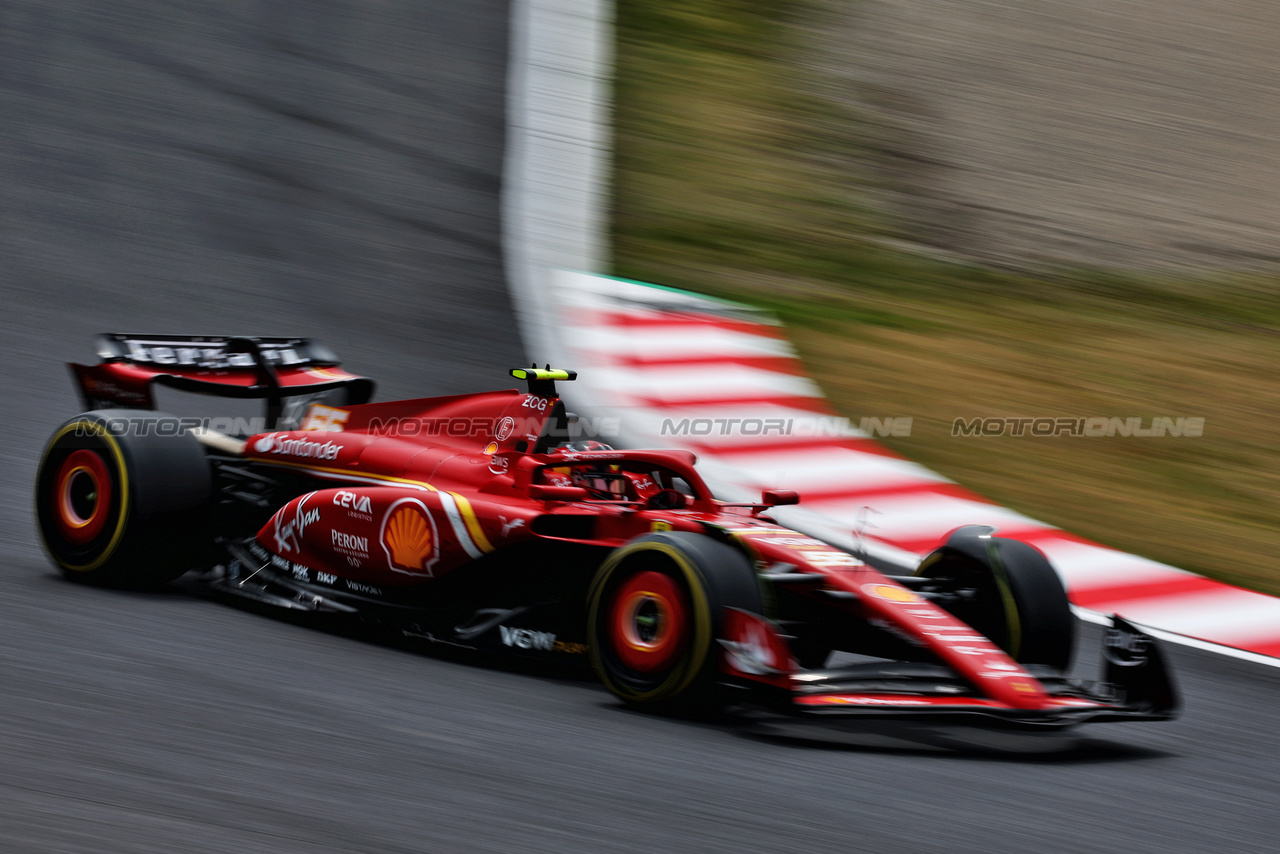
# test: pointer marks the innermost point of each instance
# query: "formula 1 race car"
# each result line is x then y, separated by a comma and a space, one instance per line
485, 521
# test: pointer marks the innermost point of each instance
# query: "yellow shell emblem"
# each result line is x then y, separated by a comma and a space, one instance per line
407, 536
891, 593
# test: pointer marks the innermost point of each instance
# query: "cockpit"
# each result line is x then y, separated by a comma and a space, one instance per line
607, 475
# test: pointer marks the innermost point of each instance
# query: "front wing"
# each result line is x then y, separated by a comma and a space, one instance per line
1136, 684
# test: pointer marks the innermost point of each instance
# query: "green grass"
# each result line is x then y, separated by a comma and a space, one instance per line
733, 179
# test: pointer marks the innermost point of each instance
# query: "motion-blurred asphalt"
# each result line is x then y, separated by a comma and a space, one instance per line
333, 170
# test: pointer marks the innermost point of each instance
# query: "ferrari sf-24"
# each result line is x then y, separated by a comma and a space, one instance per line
481, 521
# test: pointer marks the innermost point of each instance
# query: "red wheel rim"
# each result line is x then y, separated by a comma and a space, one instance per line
82, 497
648, 622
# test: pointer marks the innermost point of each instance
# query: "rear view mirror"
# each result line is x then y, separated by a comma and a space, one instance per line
780, 497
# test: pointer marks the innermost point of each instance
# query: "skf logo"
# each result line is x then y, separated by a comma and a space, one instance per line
409, 537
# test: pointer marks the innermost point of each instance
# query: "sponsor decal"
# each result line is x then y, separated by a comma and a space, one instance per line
527, 638
355, 504
791, 540
326, 578
831, 558
571, 647
358, 587
661, 525
279, 443
103, 389
1023, 687
1000, 665
814, 551
350, 546
945, 633
891, 593
927, 614
206, 356
304, 448
537, 404
325, 419
506, 427
408, 537
589, 456
509, 526
491, 448
288, 534
499, 465
971, 650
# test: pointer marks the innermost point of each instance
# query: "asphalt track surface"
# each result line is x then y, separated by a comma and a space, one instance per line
333, 170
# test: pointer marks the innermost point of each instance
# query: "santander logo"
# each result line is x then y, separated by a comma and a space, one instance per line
272, 443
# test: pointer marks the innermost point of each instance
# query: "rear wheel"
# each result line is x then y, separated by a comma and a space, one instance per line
123, 498
655, 610
1008, 591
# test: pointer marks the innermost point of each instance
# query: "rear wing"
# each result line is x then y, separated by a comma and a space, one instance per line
270, 369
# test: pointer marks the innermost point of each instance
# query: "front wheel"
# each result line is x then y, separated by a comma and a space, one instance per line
1008, 591
654, 614
123, 498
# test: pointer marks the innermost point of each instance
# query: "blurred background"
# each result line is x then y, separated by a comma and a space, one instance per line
960, 208
964, 208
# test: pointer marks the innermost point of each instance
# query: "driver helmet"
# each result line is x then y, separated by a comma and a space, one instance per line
601, 477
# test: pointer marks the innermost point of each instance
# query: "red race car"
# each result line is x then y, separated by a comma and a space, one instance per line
484, 521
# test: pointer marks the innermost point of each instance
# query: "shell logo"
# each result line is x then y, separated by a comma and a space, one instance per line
409, 537
891, 593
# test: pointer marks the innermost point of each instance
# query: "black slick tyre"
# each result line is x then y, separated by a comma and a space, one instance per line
1008, 591
123, 499
654, 615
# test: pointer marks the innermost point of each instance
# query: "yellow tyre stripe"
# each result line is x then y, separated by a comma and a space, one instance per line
114, 446
702, 621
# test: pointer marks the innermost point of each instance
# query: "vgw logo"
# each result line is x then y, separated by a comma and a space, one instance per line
527, 638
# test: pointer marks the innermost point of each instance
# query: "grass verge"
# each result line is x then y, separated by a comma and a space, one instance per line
734, 179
